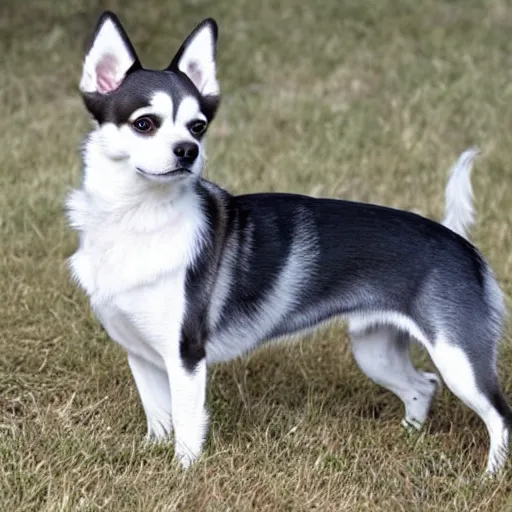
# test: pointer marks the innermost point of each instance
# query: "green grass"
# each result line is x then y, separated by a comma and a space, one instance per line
369, 101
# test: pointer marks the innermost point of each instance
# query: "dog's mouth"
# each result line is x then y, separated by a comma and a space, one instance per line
173, 173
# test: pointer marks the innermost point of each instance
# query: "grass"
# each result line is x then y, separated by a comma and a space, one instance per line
366, 100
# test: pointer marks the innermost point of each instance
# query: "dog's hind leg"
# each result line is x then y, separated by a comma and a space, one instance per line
474, 380
382, 353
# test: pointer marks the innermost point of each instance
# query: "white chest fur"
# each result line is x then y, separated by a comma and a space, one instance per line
146, 321
132, 264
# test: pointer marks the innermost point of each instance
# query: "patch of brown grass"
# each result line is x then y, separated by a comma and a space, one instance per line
364, 100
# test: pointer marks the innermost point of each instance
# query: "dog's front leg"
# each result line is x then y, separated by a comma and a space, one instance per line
153, 386
189, 416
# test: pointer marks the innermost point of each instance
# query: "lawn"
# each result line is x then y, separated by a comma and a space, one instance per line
368, 101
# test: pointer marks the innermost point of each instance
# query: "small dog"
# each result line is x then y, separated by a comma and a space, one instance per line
181, 273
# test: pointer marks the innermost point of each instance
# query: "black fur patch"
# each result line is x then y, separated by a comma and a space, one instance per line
137, 90
199, 282
501, 405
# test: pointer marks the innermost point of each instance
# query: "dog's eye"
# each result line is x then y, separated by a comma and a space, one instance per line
197, 127
145, 125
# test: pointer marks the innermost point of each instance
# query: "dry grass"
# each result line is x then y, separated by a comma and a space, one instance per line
364, 100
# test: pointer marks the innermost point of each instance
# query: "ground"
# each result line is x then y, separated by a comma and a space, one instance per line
367, 101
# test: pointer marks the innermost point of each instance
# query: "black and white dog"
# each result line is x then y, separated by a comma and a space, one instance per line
181, 273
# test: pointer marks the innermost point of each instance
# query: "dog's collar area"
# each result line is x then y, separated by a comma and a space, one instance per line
174, 173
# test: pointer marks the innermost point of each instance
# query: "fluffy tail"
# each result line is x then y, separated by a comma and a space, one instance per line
459, 211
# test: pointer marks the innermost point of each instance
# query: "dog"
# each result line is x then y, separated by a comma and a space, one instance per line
181, 273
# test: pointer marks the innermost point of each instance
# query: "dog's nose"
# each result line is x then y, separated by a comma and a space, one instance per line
186, 152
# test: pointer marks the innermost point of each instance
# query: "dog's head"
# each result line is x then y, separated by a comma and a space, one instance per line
150, 124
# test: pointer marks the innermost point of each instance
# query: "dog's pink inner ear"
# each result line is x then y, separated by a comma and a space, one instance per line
194, 73
107, 75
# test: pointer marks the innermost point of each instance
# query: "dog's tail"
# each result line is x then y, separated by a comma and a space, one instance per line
459, 211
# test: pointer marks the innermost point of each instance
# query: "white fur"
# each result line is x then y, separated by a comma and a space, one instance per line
198, 62
384, 357
190, 417
188, 109
457, 372
153, 386
152, 154
459, 212
108, 55
360, 322
138, 245
146, 321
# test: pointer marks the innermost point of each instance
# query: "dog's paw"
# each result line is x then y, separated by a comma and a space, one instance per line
184, 456
412, 425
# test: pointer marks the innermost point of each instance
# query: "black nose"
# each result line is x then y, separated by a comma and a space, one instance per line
186, 152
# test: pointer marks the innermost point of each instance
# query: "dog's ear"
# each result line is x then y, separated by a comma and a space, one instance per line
196, 58
110, 57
